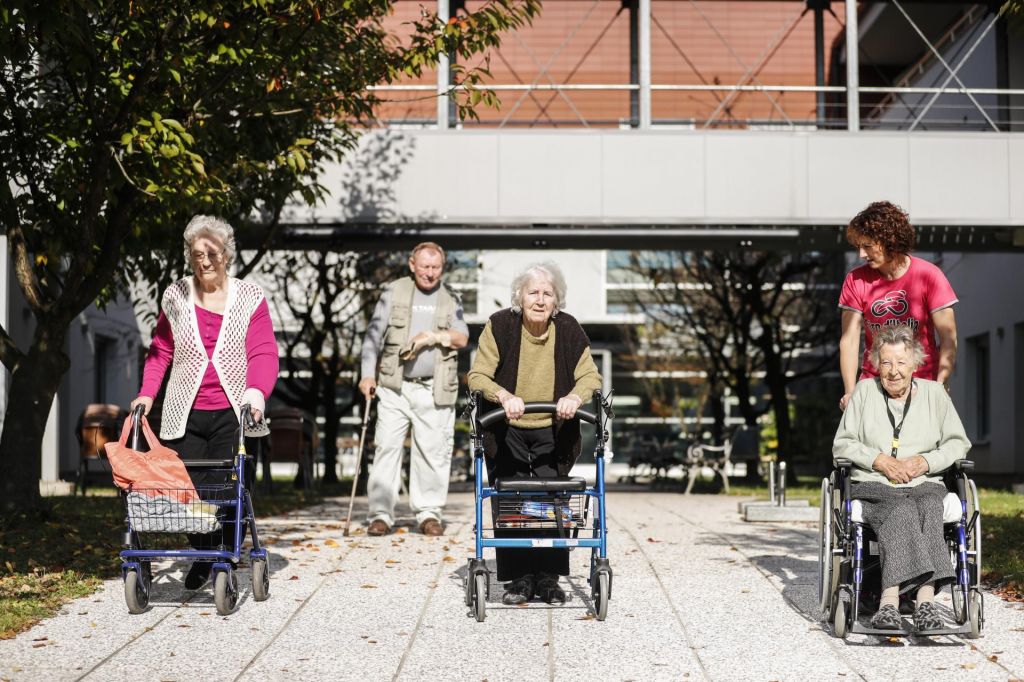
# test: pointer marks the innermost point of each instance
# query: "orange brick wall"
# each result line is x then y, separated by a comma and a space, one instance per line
584, 42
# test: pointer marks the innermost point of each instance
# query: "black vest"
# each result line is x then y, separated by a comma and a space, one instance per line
570, 342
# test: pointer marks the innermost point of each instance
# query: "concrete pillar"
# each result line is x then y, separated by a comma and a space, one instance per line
852, 68
644, 40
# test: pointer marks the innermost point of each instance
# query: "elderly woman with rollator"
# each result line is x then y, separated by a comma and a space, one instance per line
533, 352
215, 334
902, 433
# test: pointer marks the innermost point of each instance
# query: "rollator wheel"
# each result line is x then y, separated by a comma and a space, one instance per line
603, 594
960, 603
136, 592
840, 626
225, 593
480, 596
974, 609
260, 579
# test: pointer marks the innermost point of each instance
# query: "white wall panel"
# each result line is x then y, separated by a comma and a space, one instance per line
958, 176
846, 172
686, 177
754, 175
549, 176
630, 193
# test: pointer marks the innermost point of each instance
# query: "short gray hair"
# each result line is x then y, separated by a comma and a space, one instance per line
896, 335
549, 271
211, 226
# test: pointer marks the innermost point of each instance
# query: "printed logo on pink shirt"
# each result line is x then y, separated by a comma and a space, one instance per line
893, 303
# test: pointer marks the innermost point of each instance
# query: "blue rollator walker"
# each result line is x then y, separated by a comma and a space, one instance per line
156, 511
542, 503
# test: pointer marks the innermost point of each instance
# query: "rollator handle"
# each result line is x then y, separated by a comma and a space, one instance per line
494, 416
136, 425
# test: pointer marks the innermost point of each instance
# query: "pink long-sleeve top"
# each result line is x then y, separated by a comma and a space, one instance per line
260, 350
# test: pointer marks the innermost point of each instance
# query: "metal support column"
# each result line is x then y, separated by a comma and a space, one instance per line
634, 60
852, 68
819, 7
644, 39
443, 72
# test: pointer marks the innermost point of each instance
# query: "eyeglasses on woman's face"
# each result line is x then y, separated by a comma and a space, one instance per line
213, 256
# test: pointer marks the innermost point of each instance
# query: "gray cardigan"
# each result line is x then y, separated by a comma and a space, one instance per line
932, 429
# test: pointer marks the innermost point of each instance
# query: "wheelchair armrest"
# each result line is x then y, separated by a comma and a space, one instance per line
964, 466
843, 463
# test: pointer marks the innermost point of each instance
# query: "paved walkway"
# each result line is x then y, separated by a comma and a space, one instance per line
698, 594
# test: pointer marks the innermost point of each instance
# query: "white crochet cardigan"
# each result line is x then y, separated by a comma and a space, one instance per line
190, 360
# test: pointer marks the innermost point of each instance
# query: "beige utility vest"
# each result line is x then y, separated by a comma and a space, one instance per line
446, 370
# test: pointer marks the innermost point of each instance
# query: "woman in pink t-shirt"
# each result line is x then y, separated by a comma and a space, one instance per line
891, 288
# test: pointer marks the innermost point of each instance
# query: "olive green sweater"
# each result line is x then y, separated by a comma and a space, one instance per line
535, 379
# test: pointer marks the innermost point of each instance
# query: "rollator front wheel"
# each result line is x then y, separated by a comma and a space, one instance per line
225, 593
603, 593
136, 592
480, 596
260, 580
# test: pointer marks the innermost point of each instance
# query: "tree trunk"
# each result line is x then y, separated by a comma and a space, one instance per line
34, 383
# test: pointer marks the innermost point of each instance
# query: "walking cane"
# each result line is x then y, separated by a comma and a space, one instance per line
359, 460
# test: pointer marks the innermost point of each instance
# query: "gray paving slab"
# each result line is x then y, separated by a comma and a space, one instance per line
699, 594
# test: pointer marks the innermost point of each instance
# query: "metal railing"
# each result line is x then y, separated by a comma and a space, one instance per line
881, 108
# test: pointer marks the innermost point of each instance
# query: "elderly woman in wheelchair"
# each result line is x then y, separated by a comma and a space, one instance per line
897, 438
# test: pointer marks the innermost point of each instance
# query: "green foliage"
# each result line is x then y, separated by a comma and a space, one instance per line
119, 120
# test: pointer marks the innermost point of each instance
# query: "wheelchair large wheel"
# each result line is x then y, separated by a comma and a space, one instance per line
480, 596
825, 548
840, 622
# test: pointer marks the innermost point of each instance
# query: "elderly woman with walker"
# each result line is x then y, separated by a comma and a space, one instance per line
215, 335
533, 352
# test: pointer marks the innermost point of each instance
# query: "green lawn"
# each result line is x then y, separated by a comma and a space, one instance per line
69, 548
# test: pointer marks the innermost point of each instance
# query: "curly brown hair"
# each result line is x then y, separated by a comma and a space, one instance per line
885, 224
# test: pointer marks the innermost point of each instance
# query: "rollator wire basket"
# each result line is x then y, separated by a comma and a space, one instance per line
177, 510
538, 511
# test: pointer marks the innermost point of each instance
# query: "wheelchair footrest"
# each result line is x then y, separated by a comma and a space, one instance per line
542, 485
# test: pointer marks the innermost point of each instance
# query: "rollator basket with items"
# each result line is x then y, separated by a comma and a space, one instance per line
849, 562
160, 499
566, 504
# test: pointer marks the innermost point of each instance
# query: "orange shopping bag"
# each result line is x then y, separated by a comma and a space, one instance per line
156, 472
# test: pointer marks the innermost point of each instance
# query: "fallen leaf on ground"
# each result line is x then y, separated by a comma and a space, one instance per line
652, 540
294, 577
449, 558
368, 587
330, 543
399, 531
392, 561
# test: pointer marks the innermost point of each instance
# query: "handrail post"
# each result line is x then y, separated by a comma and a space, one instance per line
852, 68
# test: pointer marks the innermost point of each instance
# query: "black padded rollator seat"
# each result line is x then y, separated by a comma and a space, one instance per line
542, 485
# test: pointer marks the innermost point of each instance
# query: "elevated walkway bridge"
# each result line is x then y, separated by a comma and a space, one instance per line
655, 124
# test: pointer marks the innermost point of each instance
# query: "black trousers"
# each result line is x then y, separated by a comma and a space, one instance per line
211, 434
525, 453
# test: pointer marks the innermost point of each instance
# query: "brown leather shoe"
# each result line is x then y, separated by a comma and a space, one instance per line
432, 527
378, 527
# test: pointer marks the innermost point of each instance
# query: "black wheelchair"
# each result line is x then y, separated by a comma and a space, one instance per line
849, 567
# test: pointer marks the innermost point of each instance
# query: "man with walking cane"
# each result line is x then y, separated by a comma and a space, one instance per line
410, 358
